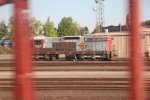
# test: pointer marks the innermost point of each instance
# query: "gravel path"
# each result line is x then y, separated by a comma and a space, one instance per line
6, 57
72, 95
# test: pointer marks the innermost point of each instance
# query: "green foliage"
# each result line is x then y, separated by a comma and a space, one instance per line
147, 22
83, 30
36, 27
97, 29
67, 27
49, 28
10, 27
1, 35
86, 30
3, 30
80, 30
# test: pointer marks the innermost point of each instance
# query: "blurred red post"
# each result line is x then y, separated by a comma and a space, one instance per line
137, 63
23, 52
3, 2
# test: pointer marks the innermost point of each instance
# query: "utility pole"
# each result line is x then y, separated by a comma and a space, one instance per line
99, 9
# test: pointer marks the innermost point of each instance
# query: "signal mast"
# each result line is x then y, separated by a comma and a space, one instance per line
99, 9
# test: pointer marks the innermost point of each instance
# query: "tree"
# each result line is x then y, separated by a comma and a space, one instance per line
10, 27
36, 27
49, 28
67, 27
97, 29
3, 30
147, 23
86, 30
80, 30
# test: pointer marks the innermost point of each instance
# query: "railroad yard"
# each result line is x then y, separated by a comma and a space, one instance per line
64, 52
74, 80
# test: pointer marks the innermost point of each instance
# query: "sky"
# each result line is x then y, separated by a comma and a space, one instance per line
80, 10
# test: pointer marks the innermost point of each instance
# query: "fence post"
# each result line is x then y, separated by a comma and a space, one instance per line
136, 62
23, 53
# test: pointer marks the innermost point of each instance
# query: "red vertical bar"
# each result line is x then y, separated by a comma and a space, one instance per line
136, 64
2, 2
109, 43
23, 54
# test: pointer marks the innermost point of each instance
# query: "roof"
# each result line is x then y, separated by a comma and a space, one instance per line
117, 34
39, 37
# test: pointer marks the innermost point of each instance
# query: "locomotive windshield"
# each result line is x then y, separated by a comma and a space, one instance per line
37, 42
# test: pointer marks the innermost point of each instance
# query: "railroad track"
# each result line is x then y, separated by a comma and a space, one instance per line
75, 84
76, 66
71, 84
74, 80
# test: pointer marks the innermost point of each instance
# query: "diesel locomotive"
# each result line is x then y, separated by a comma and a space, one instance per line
73, 47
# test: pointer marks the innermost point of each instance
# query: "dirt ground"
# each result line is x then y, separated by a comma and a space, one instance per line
6, 57
74, 95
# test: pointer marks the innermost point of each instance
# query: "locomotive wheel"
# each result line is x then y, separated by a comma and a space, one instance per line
57, 56
48, 57
69, 57
78, 57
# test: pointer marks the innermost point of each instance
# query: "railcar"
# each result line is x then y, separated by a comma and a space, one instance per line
73, 47
121, 44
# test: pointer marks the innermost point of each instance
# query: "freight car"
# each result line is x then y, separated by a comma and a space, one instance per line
73, 47
120, 44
